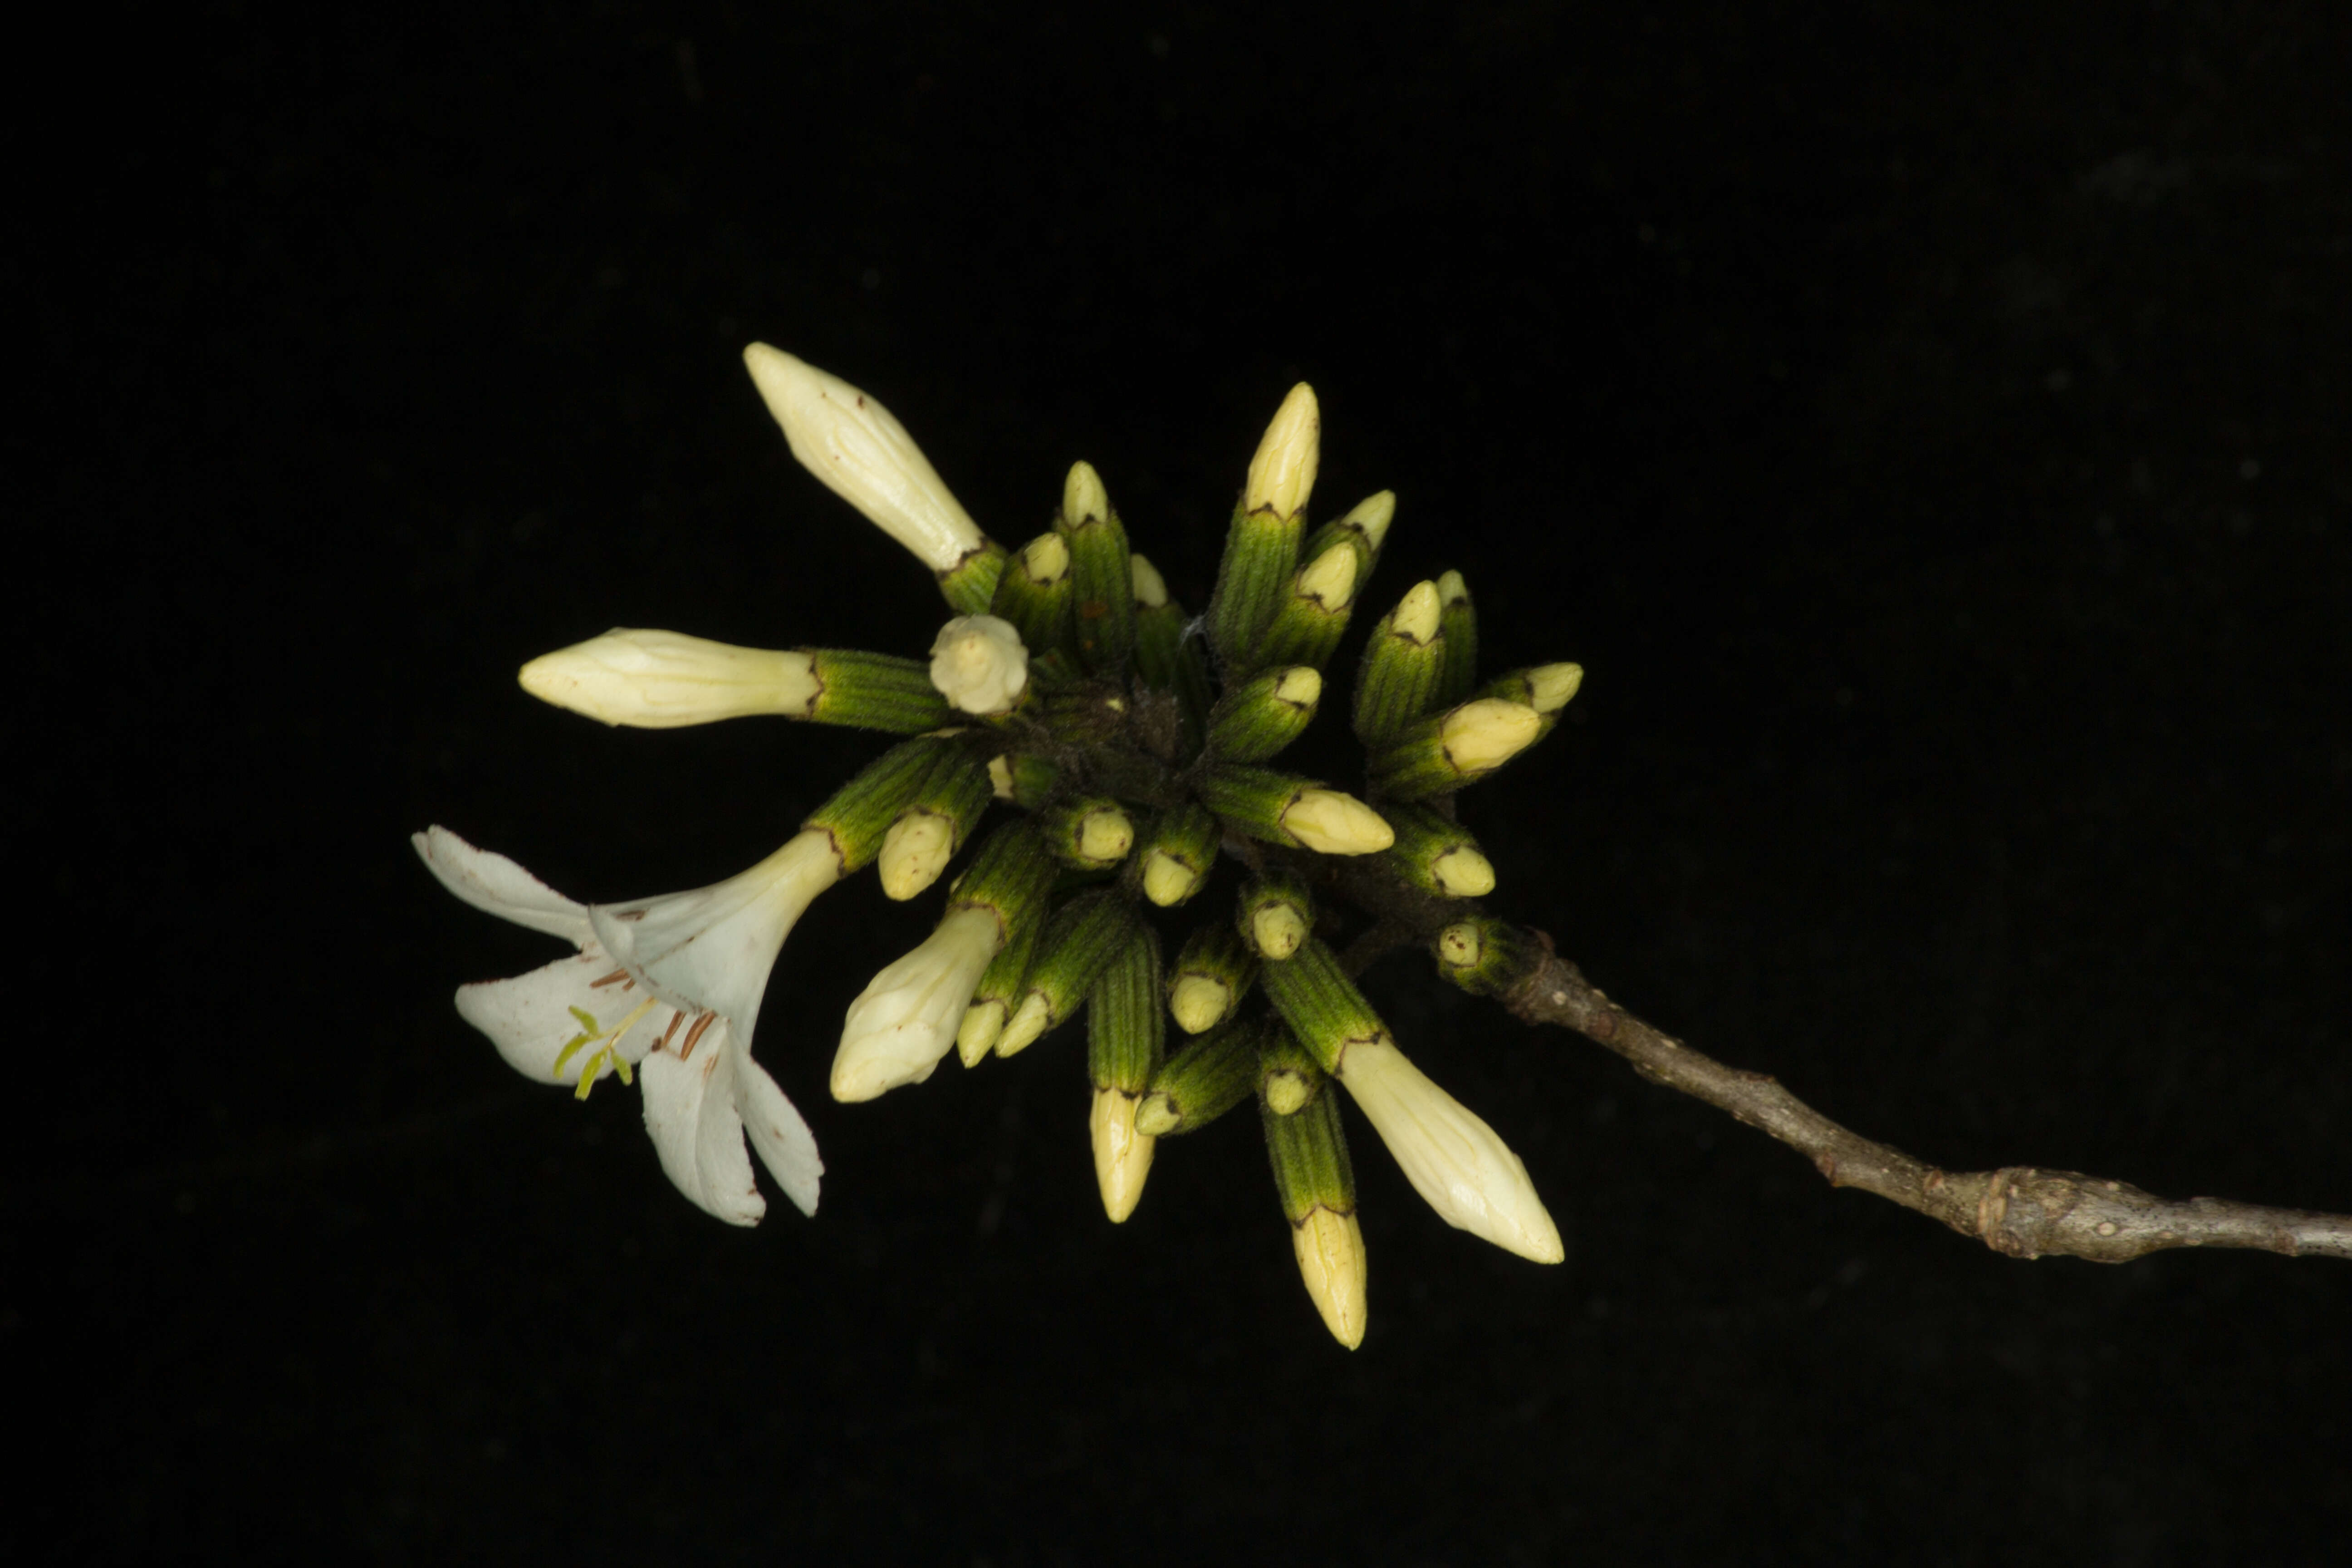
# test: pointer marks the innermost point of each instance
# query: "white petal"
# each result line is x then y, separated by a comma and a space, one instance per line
1454, 1160
531, 1020
690, 1113
710, 950
495, 884
906, 1020
786, 1145
979, 665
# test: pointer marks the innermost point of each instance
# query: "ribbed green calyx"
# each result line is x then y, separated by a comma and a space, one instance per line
1483, 955
876, 691
1307, 620
1252, 800
1253, 581
1102, 579
1437, 854
1083, 937
970, 584
1201, 1081
1035, 594
1320, 1004
1264, 713
1309, 1152
859, 814
1402, 661
1166, 660
1363, 528
1124, 1027
1457, 619
1288, 1076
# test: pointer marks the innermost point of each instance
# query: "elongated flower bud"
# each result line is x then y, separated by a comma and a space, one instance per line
1283, 809
1265, 713
1441, 753
1317, 1187
1453, 1159
1124, 1038
1458, 619
933, 825
1083, 937
1364, 526
1276, 915
906, 1019
979, 665
1485, 956
1403, 661
1437, 854
1288, 1076
1102, 575
1282, 474
1034, 593
859, 814
1201, 1082
1176, 854
658, 680
1211, 974
1306, 623
865, 456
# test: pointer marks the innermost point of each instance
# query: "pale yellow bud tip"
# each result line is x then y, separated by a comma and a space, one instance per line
1330, 823
1482, 735
1553, 684
983, 1023
1416, 614
1330, 578
1084, 499
914, 852
1000, 776
1451, 589
1460, 944
1122, 1155
1331, 1248
1105, 836
1371, 517
1277, 930
1287, 1091
1046, 560
1301, 686
1463, 873
1167, 882
1156, 1116
1282, 474
1020, 1030
1150, 588
1199, 1003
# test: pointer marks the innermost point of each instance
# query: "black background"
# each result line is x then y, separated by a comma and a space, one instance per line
1926, 424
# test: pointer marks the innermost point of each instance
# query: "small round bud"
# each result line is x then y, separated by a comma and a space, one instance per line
979, 665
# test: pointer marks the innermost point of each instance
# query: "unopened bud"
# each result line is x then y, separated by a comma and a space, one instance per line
914, 853
660, 680
1282, 474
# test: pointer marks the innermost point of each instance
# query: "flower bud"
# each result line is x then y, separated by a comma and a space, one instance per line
864, 455
906, 1019
1282, 474
658, 680
1453, 1159
979, 665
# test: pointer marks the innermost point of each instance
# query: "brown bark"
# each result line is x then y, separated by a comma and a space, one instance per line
2022, 1211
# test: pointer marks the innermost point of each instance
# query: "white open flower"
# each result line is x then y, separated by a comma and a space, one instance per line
979, 665
659, 681
668, 988
904, 1023
1454, 1160
864, 455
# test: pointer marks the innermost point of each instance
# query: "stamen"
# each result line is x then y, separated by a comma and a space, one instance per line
695, 1034
616, 975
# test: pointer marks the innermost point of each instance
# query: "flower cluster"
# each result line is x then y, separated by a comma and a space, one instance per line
1132, 743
